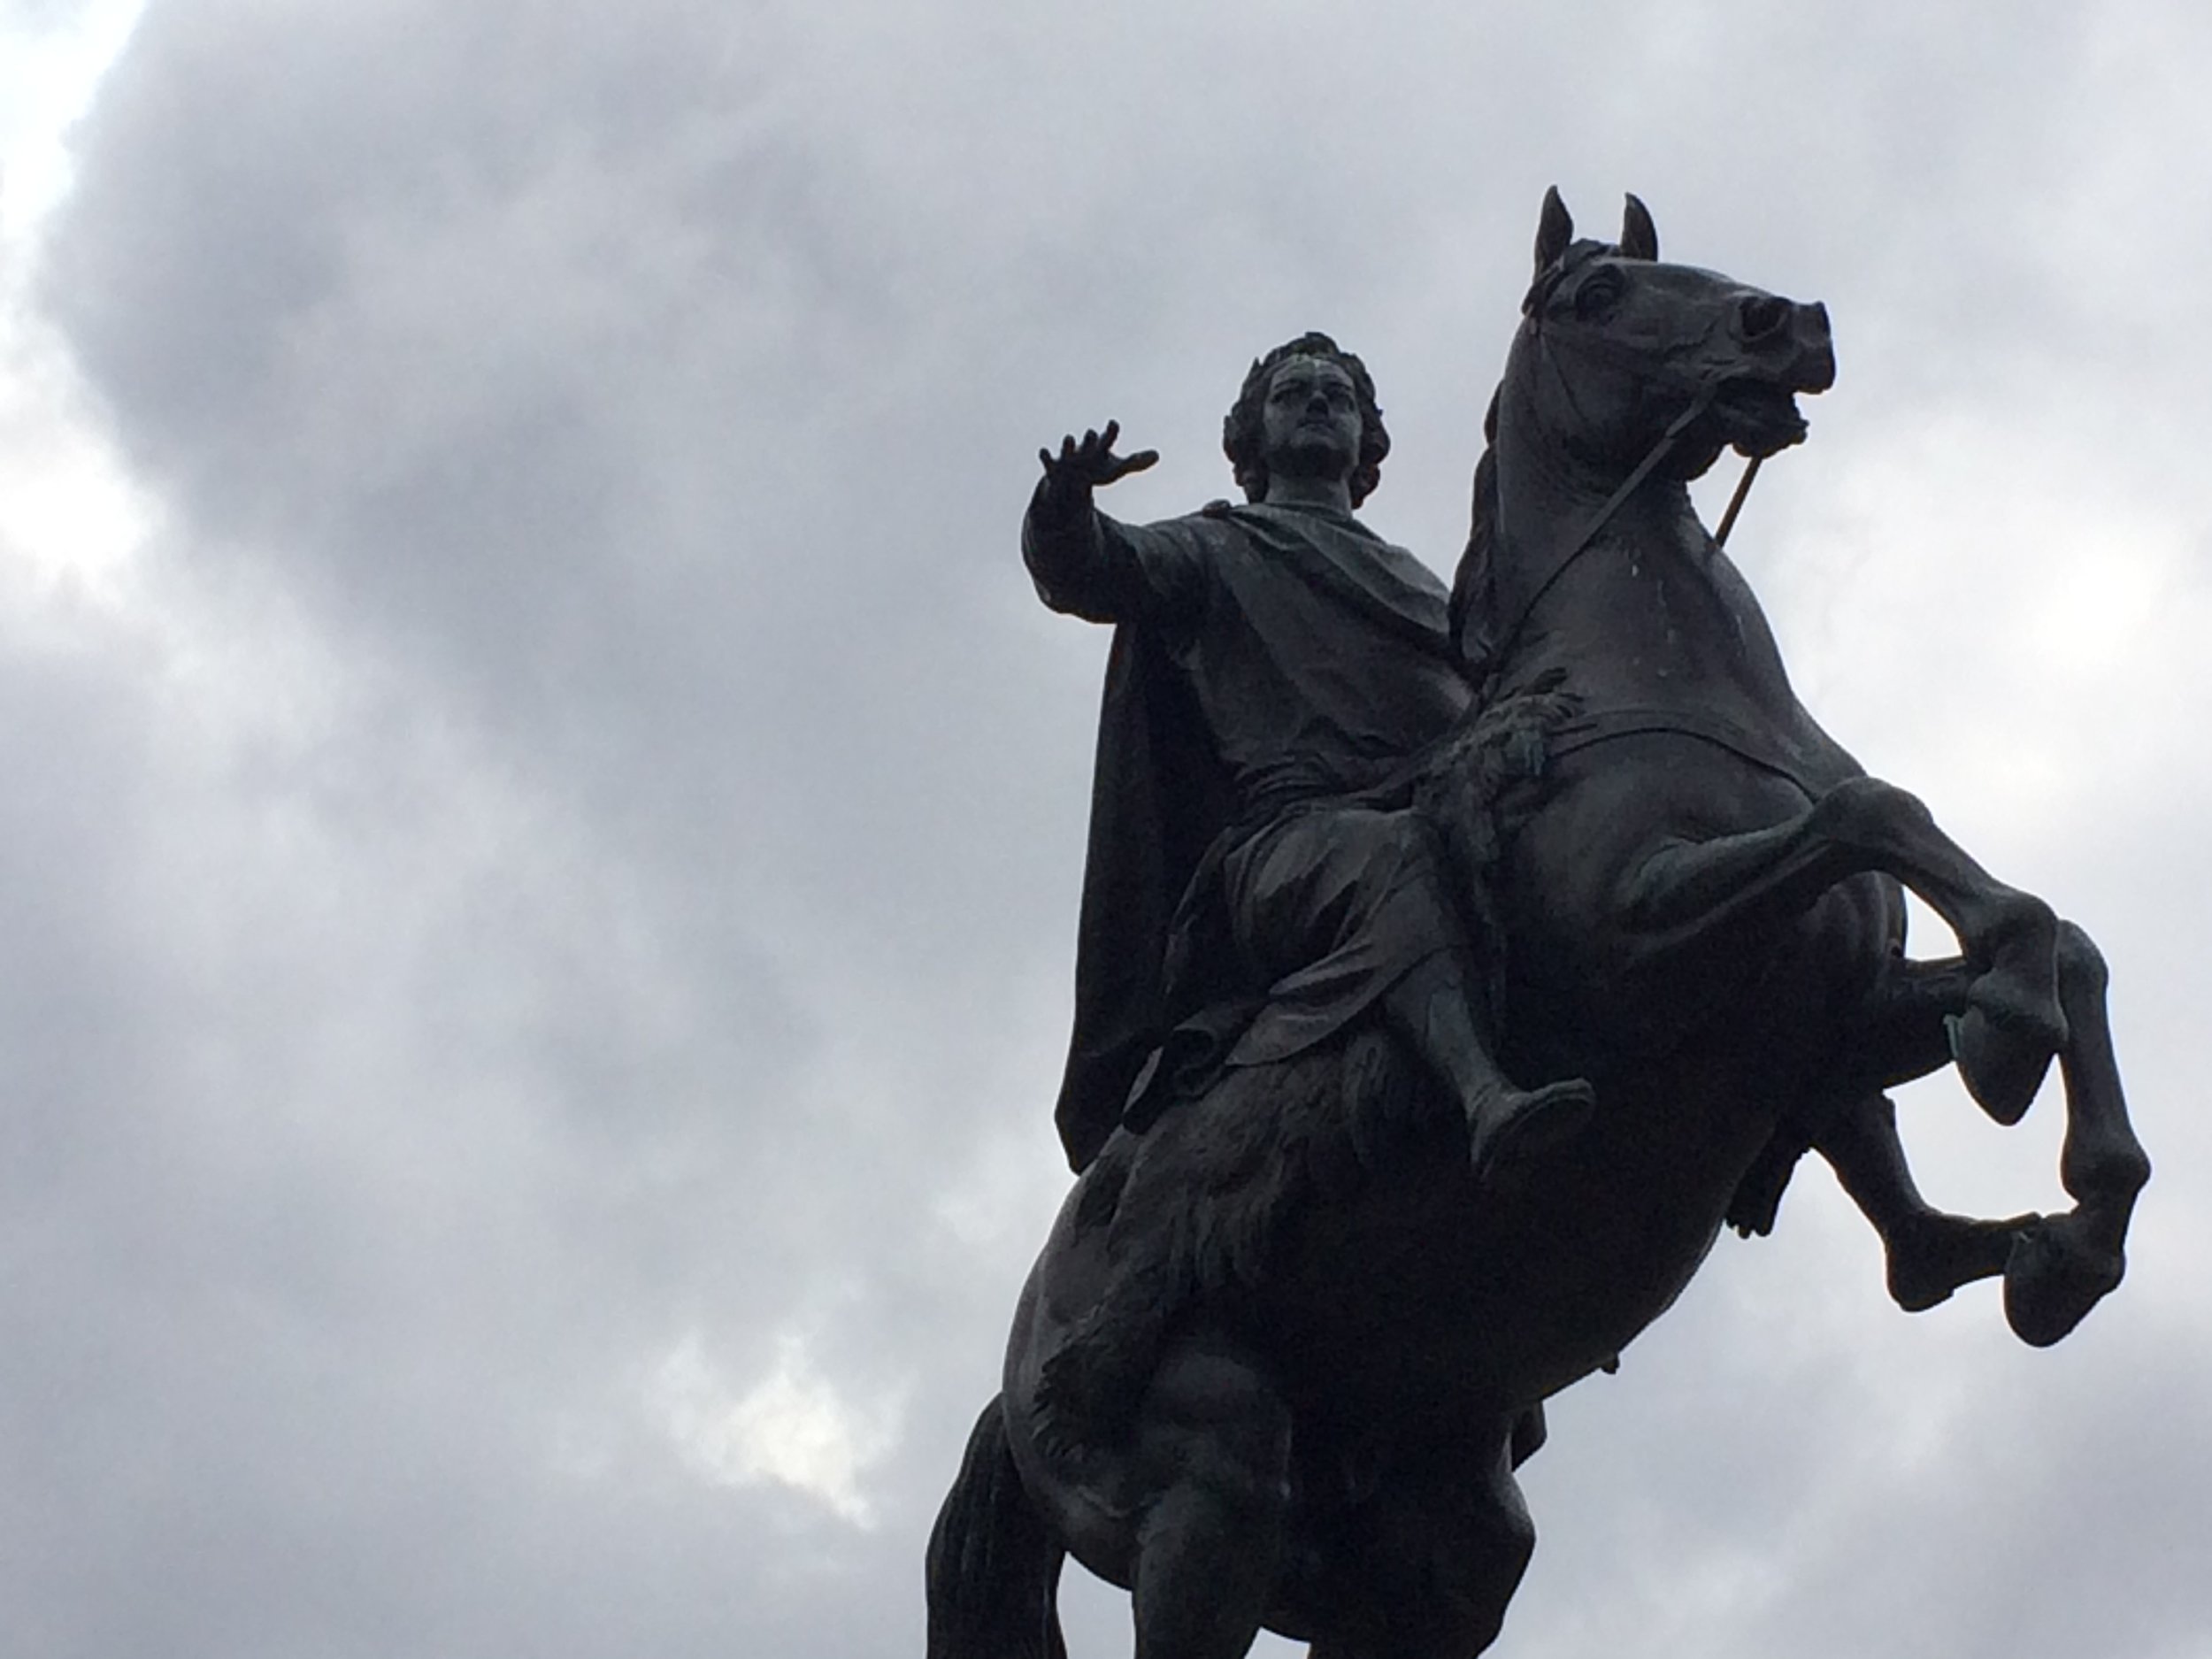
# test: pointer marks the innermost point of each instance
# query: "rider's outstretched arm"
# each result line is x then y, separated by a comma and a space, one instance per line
1090, 566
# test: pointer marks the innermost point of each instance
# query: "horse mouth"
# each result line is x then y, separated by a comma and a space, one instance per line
1757, 418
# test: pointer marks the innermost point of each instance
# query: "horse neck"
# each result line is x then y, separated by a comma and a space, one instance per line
1558, 534
1547, 500
1647, 613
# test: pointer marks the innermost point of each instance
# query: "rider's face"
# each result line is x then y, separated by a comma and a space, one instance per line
1310, 422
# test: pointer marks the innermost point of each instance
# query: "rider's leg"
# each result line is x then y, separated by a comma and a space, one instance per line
1214, 1442
1432, 1008
1335, 906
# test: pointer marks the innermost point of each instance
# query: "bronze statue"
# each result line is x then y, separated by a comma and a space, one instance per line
1361, 853
1282, 666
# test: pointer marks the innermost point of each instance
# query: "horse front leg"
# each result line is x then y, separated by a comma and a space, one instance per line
2064, 1264
1734, 889
2055, 1268
1927, 1253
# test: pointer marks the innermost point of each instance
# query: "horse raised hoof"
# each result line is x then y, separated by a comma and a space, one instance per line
2056, 1274
2001, 1062
1510, 1134
1929, 1256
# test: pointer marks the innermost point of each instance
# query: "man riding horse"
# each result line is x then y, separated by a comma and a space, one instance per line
1256, 882
1249, 892
1285, 1346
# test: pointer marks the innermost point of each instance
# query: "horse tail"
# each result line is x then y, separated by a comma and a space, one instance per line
992, 1570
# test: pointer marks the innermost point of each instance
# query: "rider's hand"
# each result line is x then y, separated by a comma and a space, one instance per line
1083, 467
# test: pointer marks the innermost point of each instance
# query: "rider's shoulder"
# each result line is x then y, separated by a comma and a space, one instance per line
1209, 520
1211, 528
1219, 521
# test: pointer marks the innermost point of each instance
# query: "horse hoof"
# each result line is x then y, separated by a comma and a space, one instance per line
2054, 1278
1931, 1258
2002, 1068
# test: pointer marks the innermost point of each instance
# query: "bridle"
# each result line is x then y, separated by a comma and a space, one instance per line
1587, 538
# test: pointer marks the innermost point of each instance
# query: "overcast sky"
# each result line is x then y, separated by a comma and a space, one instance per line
541, 858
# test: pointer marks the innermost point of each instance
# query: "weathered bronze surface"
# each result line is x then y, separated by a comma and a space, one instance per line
1452, 968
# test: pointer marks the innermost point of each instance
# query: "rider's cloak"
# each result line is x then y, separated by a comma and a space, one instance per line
1356, 663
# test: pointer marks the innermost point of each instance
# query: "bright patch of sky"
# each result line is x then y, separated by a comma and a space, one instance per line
68, 510
791, 1427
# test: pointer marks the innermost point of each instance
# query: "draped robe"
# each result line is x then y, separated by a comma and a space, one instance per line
1269, 665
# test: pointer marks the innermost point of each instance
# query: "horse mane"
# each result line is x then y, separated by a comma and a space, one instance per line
1473, 612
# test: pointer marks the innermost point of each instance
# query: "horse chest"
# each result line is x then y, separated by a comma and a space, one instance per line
1682, 618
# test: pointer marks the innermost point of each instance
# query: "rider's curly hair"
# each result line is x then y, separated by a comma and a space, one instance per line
1242, 434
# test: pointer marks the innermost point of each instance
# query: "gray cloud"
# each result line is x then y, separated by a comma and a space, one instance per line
566, 847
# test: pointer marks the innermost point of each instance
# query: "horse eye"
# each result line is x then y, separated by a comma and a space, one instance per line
1597, 296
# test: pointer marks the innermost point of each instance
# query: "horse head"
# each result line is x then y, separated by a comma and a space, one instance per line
1625, 372
1617, 350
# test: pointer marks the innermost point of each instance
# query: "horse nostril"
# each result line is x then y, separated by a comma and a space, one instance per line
1762, 315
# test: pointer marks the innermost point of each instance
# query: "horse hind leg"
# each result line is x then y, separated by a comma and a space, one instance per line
1213, 1445
2065, 1264
1438, 1559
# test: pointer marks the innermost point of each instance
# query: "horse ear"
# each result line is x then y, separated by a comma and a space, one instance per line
1554, 231
1640, 238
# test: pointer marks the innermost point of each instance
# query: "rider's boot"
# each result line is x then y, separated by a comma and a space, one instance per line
1509, 1129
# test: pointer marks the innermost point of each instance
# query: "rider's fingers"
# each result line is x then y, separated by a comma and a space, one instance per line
1113, 431
1136, 462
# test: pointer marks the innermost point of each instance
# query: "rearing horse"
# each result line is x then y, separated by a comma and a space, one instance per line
1325, 1347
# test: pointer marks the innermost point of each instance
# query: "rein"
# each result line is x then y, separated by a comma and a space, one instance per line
1629, 486
1735, 502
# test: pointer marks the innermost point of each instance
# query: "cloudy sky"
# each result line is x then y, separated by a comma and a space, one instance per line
540, 862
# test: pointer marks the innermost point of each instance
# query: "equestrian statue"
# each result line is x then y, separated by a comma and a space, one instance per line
1452, 966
